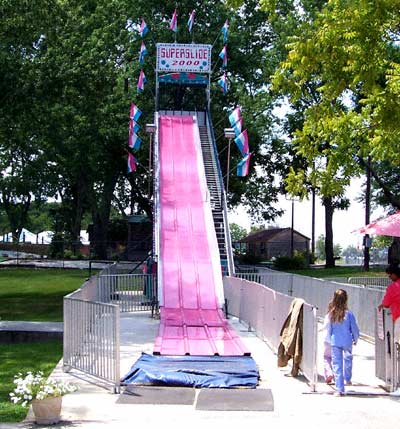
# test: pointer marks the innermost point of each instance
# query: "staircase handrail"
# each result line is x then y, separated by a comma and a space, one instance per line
228, 241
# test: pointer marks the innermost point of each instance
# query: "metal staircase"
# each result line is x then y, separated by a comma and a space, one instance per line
216, 192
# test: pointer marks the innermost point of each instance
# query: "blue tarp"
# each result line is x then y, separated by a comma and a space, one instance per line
194, 371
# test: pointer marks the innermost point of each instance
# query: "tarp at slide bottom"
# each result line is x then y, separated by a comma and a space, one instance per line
194, 371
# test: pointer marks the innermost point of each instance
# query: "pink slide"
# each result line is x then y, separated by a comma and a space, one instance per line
192, 322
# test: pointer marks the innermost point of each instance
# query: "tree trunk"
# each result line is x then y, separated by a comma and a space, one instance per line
101, 208
329, 209
394, 251
17, 214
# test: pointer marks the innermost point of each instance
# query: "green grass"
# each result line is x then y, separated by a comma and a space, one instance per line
339, 272
23, 357
36, 294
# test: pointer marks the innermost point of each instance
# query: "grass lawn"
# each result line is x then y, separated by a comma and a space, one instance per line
23, 357
36, 294
339, 271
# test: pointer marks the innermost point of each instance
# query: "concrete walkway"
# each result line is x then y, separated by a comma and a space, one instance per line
366, 406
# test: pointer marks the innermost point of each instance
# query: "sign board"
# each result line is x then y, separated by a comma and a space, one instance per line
174, 57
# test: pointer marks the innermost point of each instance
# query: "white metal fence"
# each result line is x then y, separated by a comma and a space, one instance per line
91, 334
379, 283
319, 292
387, 351
265, 311
92, 320
364, 298
132, 292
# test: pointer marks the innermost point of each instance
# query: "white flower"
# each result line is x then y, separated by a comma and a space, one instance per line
36, 386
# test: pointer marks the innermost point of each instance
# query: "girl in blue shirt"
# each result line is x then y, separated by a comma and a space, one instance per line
343, 332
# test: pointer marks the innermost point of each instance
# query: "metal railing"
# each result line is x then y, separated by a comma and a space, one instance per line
319, 292
91, 334
265, 311
223, 197
92, 320
379, 283
387, 351
132, 292
363, 300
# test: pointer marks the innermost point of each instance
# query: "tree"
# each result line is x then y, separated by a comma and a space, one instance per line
343, 58
320, 248
352, 254
66, 65
350, 51
23, 160
237, 232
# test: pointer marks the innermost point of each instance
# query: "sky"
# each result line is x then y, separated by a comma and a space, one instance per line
344, 221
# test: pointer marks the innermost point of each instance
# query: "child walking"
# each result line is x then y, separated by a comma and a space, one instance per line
328, 372
343, 332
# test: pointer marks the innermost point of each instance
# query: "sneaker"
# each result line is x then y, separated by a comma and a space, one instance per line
396, 392
349, 383
329, 379
338, 394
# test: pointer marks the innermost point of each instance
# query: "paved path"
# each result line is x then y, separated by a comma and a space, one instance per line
93, 406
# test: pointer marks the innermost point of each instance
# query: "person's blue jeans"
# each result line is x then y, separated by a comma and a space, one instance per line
342, 365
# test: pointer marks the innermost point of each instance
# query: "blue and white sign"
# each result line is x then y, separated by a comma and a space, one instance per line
173, 57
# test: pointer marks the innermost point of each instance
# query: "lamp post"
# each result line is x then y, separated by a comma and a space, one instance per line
151, 129
229, 133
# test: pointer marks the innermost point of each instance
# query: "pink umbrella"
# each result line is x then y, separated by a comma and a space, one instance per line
389, 226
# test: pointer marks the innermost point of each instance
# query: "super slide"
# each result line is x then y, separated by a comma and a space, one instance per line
189, 269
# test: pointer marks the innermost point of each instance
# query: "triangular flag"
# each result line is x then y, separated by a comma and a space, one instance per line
173, 25
131, 163
134, 127
143, 29
225, 30
242, 169
242, 143
134, 112
235, 116
134, 141
223, 83
191, 21
238, 127
141, 81
224, 55
143, 52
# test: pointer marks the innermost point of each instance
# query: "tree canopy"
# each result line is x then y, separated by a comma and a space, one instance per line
350, 51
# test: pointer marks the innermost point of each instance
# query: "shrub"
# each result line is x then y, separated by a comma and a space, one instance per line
296, 262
